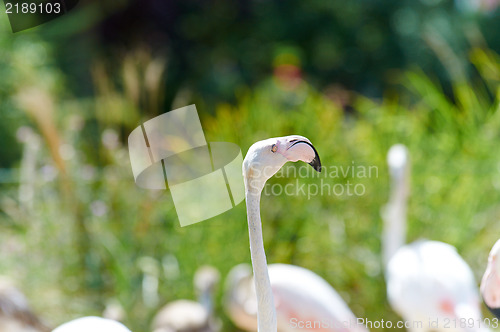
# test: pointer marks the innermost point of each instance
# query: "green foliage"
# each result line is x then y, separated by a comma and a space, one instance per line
84, 239
88, 235
218, 47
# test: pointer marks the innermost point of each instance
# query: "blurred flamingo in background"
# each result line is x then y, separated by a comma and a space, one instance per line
191, 316
295, 288
91, 323
304, 301
426, 280
490, 285
15, 312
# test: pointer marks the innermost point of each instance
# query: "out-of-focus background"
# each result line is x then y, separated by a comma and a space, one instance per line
354, 77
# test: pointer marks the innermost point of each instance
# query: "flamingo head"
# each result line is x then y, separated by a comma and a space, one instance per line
490, 284
266, 157
398, 161
206, 278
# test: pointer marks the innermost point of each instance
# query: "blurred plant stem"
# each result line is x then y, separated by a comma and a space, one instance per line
39, 105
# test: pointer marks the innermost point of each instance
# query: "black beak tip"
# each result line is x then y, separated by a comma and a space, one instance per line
316, 163
494, 311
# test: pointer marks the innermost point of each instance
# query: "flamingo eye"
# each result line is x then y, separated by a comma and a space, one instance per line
274, 148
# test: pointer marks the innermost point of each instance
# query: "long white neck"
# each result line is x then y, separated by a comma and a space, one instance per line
206, 300
394, 233
266, 312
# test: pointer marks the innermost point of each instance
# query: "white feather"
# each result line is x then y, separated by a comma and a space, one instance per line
94, 324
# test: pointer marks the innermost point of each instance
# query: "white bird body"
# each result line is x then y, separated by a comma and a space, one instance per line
305, 296
91, 323
304, 301
427, 281
182, 315
191, 316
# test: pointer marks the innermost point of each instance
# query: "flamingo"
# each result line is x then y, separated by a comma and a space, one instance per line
490, 285
15, 313
92, 323
206, 280
182, 315
304, 301
262, 161
191, 316
427, 281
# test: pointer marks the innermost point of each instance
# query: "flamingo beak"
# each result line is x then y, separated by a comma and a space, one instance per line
300, 148
494, 311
